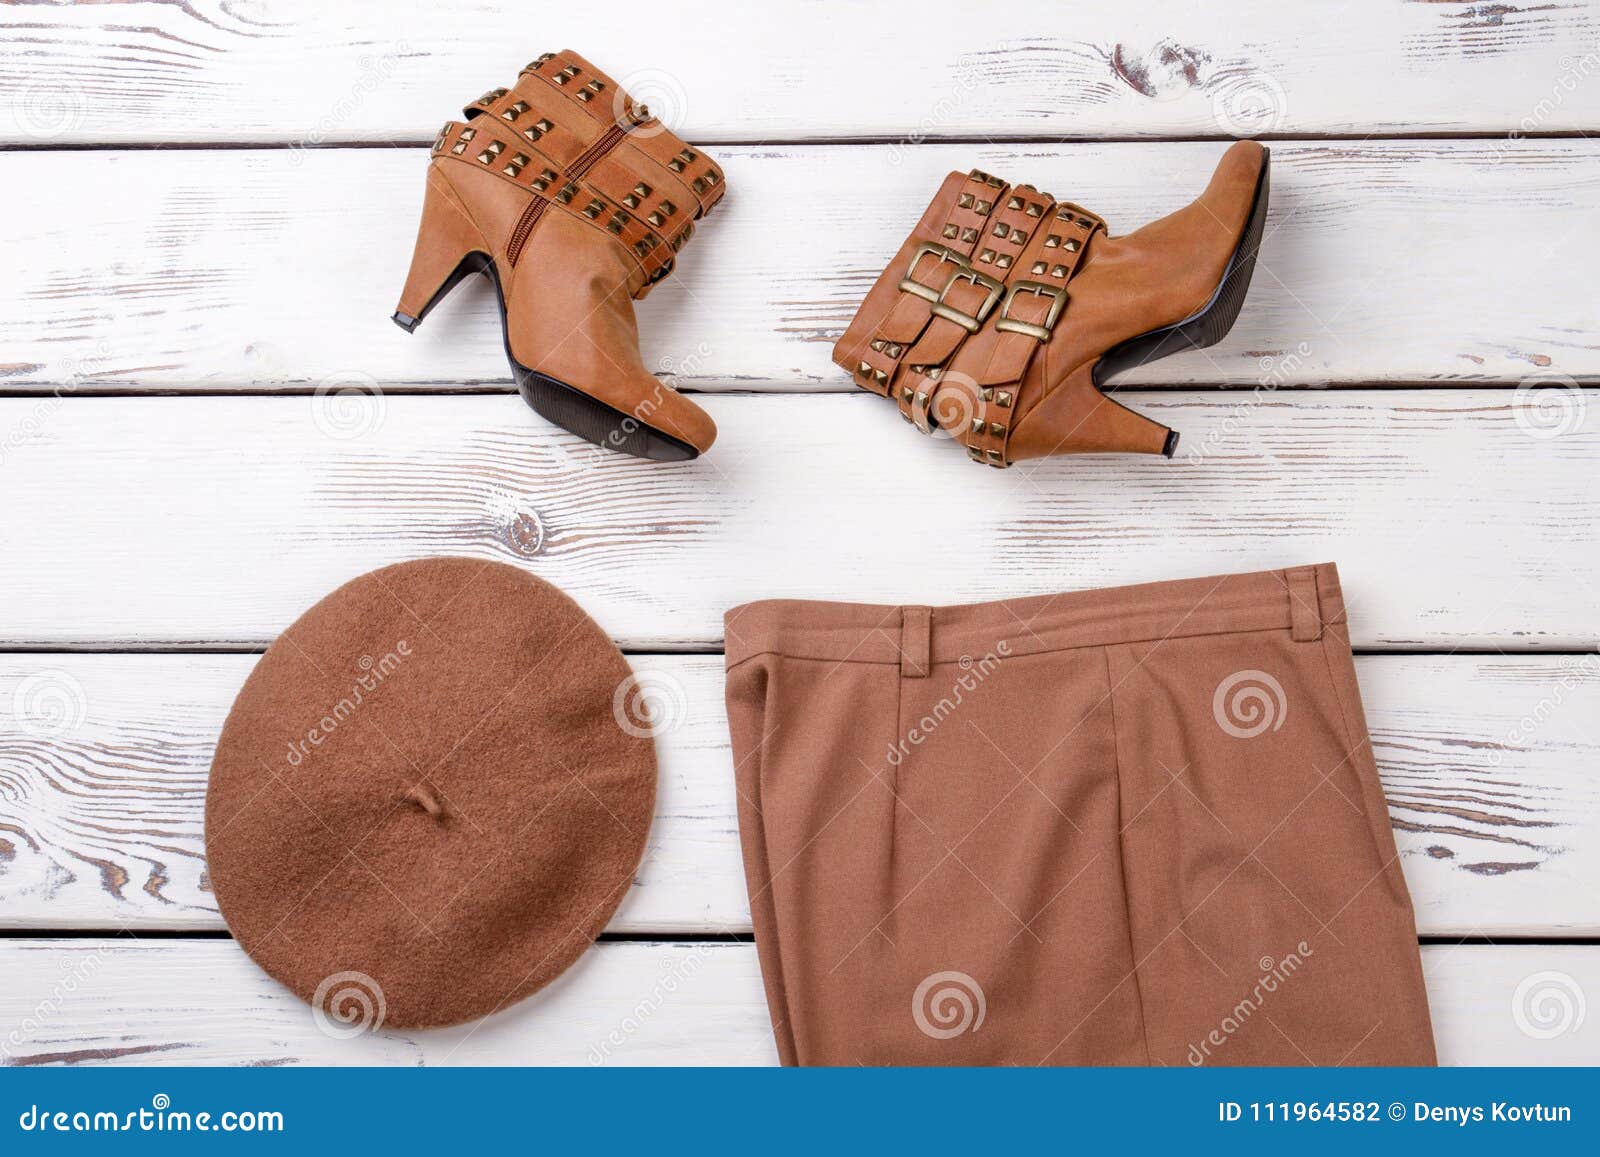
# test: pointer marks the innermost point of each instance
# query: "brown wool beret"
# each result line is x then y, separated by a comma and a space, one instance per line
424, 806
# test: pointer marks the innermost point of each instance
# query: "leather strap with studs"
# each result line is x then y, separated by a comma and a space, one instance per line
918, 312
1010, 231
1036, 297
571, 138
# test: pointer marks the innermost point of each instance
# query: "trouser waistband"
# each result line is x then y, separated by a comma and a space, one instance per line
1302, 600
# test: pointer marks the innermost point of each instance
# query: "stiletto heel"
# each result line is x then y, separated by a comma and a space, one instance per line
449, 247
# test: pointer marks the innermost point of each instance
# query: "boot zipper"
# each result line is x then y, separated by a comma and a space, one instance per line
586, 160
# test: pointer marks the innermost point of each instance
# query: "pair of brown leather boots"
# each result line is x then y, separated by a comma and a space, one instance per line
995, 324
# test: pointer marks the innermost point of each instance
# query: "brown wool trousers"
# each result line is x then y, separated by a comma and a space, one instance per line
1132, 826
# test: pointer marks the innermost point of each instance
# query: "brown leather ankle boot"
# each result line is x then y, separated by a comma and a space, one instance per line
1005, 311
574, 201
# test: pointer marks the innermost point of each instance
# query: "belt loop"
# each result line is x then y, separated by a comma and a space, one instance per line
1305, 605
916, 627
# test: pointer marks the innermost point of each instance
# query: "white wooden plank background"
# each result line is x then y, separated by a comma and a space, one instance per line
374, 70
1430, 252
216, 521
1488, 764
268, 269
204, 1002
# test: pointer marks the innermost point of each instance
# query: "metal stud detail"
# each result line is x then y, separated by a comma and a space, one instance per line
949, 232
1037, 268
514, 110
592, 209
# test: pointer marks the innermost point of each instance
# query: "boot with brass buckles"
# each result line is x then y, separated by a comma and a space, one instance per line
575, 202
1005, 311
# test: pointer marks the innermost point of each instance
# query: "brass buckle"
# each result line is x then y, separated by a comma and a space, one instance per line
1008, 324
971, 322
908, 283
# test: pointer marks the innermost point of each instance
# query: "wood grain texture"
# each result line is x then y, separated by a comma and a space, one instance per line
279, 269
203, 521
205, 1002
1488, 764
375, 70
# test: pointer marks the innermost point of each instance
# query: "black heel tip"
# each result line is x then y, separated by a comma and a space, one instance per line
1171, 447
406, 322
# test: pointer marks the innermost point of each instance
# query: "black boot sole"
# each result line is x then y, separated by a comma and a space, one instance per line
555, 400
1212, 321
